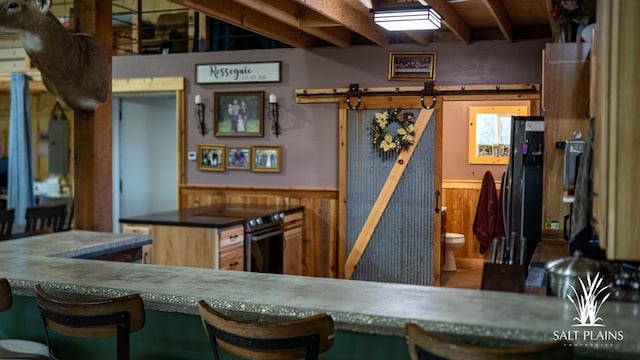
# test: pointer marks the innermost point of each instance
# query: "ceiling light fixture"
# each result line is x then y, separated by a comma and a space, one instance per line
403, 19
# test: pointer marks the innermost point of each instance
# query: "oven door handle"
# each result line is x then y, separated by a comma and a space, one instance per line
266, 235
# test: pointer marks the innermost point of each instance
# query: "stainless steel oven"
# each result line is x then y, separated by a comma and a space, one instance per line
264, 244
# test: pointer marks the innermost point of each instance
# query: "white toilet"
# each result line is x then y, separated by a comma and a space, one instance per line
451, 241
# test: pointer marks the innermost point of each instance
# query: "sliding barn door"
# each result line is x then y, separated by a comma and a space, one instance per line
390, 199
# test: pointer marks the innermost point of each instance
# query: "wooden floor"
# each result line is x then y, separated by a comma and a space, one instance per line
468, 275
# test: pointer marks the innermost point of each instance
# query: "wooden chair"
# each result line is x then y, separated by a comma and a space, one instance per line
259, 339
46, 217
6, 223
425, 345
14, 348
92, 319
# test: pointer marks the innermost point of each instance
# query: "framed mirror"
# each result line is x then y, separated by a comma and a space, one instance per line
490, 133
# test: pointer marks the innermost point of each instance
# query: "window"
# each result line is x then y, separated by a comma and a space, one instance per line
490, 133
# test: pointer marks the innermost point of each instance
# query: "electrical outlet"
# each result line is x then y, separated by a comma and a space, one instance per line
191, 155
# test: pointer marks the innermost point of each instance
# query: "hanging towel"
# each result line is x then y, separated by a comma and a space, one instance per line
484, 224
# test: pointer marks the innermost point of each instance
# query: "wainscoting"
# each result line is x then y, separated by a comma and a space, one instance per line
461, 199
320, 239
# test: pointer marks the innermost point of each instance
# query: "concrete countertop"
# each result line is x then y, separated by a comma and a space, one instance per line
368, 307
218, 216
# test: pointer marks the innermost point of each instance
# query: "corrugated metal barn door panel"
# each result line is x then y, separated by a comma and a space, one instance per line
401, 248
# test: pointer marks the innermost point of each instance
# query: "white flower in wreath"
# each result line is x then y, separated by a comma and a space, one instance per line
407, 134
388, 143
382, 119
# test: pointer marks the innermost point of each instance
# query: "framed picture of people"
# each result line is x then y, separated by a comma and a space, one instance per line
239, 158
239, 114
212, 157
266, 158
412, 65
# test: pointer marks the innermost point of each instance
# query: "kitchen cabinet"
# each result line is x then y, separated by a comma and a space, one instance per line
565, 105
137, 229
203, 247
292, 248
616, 170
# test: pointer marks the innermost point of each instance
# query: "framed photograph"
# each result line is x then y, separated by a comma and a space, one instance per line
418, 66
211, 157
266, 158
239, 158
239, 114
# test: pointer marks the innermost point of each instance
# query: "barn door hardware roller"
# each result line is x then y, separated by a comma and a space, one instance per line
428, 90
354, 91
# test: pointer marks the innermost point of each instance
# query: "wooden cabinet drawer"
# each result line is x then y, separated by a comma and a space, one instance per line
293, 220
232, 258
136, 229
231, 236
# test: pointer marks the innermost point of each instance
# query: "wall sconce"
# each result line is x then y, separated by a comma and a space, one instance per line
199, 113
275, 124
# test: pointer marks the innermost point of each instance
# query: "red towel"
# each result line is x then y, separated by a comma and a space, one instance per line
484, 224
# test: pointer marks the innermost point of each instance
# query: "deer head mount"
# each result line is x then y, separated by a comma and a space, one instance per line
74, 67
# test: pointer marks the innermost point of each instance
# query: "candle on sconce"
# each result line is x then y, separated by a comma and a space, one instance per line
273, 99
198, 99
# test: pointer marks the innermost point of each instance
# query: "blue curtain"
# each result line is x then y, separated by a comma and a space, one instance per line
20, 181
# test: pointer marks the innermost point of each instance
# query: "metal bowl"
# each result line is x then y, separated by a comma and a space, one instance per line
563, 274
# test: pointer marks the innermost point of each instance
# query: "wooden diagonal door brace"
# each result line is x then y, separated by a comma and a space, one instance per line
385, 195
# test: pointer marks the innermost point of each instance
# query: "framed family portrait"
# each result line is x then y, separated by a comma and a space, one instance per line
211, 157
239, 158
239, 114
266, 158
414, 65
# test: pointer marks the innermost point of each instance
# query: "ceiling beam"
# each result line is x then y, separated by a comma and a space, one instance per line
421, 37
355, 19
290, 14
243, 17
499, 12
452, 19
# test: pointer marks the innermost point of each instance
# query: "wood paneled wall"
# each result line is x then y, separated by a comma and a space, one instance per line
320, 237
461, 200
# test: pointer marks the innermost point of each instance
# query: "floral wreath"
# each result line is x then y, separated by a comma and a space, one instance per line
404, 135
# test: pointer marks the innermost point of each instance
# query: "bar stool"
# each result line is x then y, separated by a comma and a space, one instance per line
92, 319
425, 345
259, 339
15, 348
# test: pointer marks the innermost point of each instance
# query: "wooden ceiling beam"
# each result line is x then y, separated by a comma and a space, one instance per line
355, 19
421, 37
291, 14
499, 12
452, 19
243, 17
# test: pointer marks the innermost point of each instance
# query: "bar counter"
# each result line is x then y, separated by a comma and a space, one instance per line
368, 309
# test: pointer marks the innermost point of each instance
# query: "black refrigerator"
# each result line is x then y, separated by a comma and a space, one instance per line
522, 197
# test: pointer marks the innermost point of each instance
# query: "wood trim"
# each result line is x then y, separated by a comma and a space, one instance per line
342, 195
438, 247
153, 84
385, 195
163, 84
464, 184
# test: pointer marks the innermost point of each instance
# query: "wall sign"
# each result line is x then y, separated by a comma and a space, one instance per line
238, 72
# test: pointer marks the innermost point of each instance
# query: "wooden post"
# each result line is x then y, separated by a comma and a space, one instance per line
92, 132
